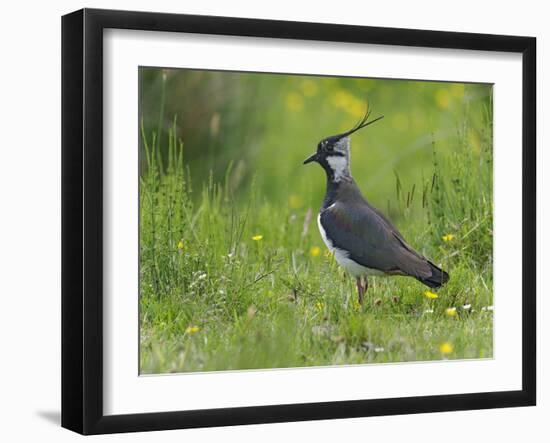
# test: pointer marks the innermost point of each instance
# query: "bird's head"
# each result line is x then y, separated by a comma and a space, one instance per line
333, 153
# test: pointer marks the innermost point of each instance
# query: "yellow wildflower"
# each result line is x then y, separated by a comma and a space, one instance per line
443, 98
356, 108
431, 295
181, 245
295, 201
192, 330
457, 90
315, 251
319, 306
445, 348
451, 312
309, 88
342, 98
448, 237
474, 141
294, 101
257, 237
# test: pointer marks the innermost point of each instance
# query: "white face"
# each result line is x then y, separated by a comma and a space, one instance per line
342, 146
339, 165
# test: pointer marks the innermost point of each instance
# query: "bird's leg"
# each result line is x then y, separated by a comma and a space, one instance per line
360, 290
365, 285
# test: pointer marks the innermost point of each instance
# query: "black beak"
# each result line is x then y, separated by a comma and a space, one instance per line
311, 158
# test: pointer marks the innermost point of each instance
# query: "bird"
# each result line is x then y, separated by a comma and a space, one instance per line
361, 238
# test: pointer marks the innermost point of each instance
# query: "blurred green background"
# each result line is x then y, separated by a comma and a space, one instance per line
233, 271
264, 125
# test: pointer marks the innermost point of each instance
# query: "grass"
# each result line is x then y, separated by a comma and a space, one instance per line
243, 281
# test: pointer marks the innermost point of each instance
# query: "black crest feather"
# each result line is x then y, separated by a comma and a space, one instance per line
362, 123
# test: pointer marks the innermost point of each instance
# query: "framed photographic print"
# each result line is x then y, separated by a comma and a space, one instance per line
269, 221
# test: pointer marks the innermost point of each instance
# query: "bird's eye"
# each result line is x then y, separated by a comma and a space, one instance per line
325, 146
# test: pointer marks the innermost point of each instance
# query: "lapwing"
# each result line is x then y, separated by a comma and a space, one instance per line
361, 238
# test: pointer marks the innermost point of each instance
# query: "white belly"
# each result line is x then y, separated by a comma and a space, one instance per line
342, 257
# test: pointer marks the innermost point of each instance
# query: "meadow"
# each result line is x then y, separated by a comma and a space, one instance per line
233, 272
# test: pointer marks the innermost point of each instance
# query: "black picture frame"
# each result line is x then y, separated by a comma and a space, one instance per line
82, 218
